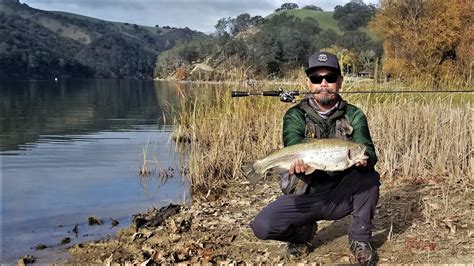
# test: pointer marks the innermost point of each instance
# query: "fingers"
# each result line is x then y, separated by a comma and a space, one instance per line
361, 163
298, 166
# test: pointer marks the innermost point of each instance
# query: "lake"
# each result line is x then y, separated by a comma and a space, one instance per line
72, 149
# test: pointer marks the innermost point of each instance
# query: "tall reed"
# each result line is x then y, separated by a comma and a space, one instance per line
421, 137
415, 137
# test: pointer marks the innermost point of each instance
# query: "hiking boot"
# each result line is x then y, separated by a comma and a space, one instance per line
312, 230
363, 252
294, 251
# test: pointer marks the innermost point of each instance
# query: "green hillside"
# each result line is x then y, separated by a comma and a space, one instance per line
324, 18
38, 44
118, 24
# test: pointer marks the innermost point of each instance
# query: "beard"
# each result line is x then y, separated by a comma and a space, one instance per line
327, 98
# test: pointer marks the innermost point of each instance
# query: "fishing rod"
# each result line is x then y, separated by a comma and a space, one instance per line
289, 96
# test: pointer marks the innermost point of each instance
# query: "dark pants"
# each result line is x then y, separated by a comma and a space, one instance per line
357, 193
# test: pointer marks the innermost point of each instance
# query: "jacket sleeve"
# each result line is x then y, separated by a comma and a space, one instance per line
293, 127
361, 134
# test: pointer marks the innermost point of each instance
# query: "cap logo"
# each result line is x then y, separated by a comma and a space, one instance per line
323, 58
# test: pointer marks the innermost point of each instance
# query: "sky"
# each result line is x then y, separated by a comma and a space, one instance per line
200, 15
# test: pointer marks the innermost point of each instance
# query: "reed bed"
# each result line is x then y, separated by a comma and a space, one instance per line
421, 137
417, 137
222, 133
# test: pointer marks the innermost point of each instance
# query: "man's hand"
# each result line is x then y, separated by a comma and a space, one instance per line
297, 167
361, 163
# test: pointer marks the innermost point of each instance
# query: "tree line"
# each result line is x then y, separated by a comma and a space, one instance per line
415, 40
275, 46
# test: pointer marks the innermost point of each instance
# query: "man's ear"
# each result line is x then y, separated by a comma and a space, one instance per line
308, 82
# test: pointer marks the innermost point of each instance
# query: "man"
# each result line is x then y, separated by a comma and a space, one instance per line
329, 195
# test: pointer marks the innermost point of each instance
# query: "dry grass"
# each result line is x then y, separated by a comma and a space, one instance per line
223, 133
421, 137
424, 144
416, 138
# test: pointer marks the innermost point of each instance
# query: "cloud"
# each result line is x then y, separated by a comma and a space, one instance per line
199, 15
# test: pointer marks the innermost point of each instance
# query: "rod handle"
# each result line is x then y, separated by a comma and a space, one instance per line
271, 93
240, 93
294, 92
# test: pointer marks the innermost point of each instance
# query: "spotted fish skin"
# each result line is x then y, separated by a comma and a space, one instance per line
318, 154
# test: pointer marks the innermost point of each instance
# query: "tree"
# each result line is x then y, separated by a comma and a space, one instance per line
312, 7
257, 20
287, 6
240, 23
347, 59
325, 39
353, 15
182, 56
368, 59
356, 40
282, 43
223, 27
422, 36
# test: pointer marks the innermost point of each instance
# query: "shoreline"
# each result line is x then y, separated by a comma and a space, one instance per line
218, 231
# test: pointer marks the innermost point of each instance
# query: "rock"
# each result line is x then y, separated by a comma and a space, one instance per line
40, 246
76, 229
65, 240
94, 221
27, 259
114, 222
155, 218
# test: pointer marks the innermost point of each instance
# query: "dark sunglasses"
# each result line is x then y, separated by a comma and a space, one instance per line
317, 79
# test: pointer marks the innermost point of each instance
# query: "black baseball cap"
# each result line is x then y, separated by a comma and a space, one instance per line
323, 59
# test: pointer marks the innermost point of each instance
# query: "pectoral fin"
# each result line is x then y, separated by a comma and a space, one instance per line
276, 171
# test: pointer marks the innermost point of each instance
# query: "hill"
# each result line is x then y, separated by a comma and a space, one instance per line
39, 44
324, 18
122, 25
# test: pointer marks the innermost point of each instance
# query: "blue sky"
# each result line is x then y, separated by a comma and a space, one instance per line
199, 15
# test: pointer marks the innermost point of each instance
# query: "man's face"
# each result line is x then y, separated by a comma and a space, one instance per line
324, 83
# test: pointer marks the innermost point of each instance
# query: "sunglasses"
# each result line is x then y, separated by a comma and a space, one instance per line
317, 79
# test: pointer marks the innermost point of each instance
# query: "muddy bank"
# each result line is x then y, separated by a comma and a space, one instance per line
415, 223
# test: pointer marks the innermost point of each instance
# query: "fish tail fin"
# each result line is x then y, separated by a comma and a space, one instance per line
249, 172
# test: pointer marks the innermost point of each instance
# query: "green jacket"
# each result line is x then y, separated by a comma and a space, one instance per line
294, 126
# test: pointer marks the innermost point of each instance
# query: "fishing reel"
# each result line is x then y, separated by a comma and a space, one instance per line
285, 96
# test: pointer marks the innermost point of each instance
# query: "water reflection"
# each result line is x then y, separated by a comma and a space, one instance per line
73, 149
30, 109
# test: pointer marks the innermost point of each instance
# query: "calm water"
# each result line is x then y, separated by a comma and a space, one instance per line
72, 149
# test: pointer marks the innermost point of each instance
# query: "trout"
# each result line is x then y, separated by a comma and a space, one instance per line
318, 154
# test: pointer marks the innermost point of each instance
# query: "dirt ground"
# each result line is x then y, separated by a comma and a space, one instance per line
416, 222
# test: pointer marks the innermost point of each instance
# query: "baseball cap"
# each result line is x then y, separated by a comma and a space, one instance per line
323, 59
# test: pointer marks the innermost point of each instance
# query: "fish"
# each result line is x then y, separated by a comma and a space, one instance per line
318, 154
